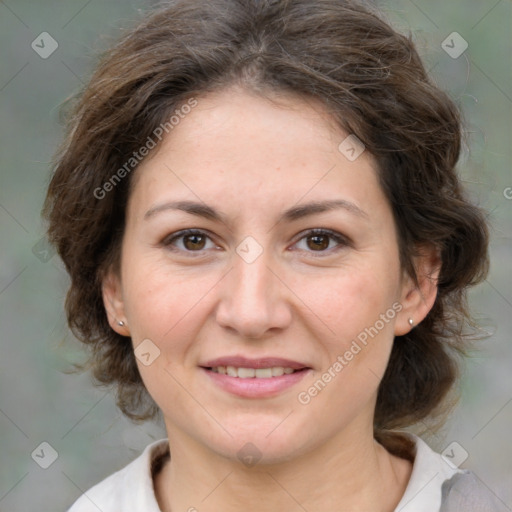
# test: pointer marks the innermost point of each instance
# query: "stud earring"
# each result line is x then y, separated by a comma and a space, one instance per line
411, 322
121, 323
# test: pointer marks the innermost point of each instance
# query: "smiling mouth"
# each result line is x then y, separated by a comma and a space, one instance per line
244, 380
254, 373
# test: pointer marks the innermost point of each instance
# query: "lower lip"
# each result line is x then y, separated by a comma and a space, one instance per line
255, 387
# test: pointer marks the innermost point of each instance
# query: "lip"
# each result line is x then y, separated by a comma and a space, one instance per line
255, 387
244, 362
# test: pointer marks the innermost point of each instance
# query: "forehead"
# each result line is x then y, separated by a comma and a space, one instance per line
234, 143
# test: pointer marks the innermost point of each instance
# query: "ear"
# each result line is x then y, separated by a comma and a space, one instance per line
113, 301
417, 299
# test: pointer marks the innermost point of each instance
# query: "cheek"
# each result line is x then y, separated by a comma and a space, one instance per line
169, 307
356, 349
358, 308
161, 300
165, 307
352, 299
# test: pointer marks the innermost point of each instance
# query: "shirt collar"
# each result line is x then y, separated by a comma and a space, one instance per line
430, 470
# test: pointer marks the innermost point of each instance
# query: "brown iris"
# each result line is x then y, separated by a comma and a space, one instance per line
320, 241
194, 241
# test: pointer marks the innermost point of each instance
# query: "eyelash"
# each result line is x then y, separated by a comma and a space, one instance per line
343, 241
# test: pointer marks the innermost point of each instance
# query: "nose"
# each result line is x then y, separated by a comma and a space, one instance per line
254, 299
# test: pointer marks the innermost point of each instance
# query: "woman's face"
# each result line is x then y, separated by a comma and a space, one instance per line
253, 286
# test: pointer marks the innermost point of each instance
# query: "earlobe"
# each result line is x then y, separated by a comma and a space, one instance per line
419, 297
114, 303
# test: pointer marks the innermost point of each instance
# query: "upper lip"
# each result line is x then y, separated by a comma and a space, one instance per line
244, 362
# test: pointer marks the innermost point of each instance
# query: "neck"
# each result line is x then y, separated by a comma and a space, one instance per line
337, 476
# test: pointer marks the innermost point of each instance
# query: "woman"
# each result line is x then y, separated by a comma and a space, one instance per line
269, 245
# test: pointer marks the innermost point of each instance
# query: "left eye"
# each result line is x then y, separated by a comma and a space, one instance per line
316, 240
193, 240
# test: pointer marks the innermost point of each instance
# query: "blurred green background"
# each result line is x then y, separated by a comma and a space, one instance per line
39, 403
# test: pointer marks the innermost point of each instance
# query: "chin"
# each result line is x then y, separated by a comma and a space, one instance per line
260, 443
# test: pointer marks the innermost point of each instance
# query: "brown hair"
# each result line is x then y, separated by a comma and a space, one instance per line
371, 80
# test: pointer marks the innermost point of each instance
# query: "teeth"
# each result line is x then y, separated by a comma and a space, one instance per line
249, 373
246, 373
277, 371
262, 373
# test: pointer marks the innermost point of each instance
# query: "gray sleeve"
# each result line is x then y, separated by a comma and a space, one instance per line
465, 492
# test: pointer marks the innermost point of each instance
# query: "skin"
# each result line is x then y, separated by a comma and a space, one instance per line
251, 158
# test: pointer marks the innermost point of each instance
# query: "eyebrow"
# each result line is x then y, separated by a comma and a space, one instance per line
292, 214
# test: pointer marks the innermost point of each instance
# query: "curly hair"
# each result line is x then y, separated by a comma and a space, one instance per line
374, 85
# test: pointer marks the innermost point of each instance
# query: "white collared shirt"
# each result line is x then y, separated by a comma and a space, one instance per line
131, 488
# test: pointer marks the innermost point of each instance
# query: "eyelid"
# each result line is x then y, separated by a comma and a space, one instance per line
167, 241
339, 238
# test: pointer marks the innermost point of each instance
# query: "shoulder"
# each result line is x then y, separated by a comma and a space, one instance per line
430, 470
437, 485
130, 489
465, 491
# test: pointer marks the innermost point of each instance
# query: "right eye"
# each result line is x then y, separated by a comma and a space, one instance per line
191, 240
